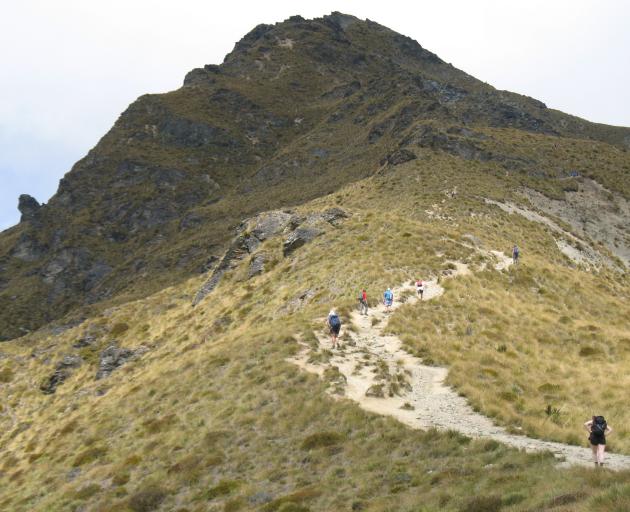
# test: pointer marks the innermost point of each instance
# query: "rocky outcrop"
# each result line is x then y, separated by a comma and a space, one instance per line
251, 234
257, 265
298, 238
399, 157
111, 358
29, 207
62, 372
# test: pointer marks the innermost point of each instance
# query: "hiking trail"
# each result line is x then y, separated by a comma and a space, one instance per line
369, 361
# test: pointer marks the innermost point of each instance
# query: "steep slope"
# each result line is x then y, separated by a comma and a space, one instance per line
155, 405
296, 110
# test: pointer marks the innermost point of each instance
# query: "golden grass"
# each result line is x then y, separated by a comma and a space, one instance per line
211, 416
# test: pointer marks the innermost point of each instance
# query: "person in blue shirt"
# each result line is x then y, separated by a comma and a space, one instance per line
388, 299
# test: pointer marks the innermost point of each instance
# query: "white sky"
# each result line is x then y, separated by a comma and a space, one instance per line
68, 68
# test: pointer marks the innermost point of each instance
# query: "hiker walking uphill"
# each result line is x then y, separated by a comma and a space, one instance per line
334, 325
363, 303
515, 254
420, 288
597, 429
388, 299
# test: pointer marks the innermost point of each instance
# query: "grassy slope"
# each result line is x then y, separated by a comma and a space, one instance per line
212, 418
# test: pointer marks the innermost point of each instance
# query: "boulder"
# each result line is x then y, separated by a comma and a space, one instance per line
334, 215
298, 238
111, 358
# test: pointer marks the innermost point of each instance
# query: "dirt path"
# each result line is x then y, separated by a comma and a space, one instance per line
370, 363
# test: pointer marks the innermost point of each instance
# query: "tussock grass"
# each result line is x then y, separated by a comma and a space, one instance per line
211, 415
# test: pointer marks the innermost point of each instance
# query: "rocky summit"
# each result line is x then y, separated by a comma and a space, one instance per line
296, 110
163, 316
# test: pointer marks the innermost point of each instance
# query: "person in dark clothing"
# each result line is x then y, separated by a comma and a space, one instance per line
598, 429
334, 326
515, 254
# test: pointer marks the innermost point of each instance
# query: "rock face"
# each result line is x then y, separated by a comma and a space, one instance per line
28, 207
399, 157
257, 265
254, 231
251, 234
298, 238
111, 358
162, 191
62, 372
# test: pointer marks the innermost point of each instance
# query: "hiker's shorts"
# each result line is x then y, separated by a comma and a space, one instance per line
595, 440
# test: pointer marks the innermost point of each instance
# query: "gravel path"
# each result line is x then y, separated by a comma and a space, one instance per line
425, 401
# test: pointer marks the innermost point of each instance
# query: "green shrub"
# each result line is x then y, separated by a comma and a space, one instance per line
223, 488
118, 329
147, 499
6, 375
88, 455
482, 504
87, 491
321, 439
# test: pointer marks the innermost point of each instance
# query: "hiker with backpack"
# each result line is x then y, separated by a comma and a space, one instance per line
388, 299
334, 325
363, 303
420, 288
597, 429
515, 254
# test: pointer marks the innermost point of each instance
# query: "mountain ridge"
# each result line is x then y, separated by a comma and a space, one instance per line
270, 127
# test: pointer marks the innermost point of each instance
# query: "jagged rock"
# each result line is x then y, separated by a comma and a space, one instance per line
61, 373
85, 341
298, 238
334, 215
49, 386
27, 248
29, 207
257, 265
111, 358
399, 157
251, 233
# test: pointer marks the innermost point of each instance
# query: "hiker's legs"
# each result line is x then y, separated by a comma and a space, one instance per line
421, 294
594, 448
601, 448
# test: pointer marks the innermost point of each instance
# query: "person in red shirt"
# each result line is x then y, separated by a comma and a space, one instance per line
363, 303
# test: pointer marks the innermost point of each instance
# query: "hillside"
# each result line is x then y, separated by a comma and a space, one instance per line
374, 164
296, 110
204, 413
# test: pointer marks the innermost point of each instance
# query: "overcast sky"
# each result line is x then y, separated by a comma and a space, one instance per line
70, 67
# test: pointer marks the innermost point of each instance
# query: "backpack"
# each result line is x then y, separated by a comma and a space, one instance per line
599, 426
334, 321
389, 295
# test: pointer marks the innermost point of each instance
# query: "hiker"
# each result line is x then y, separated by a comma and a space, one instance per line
515, 254
334, 324
420, 288
388, 299
363, 303
597, 429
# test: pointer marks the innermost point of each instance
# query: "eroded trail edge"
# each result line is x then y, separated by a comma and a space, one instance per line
371, 363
